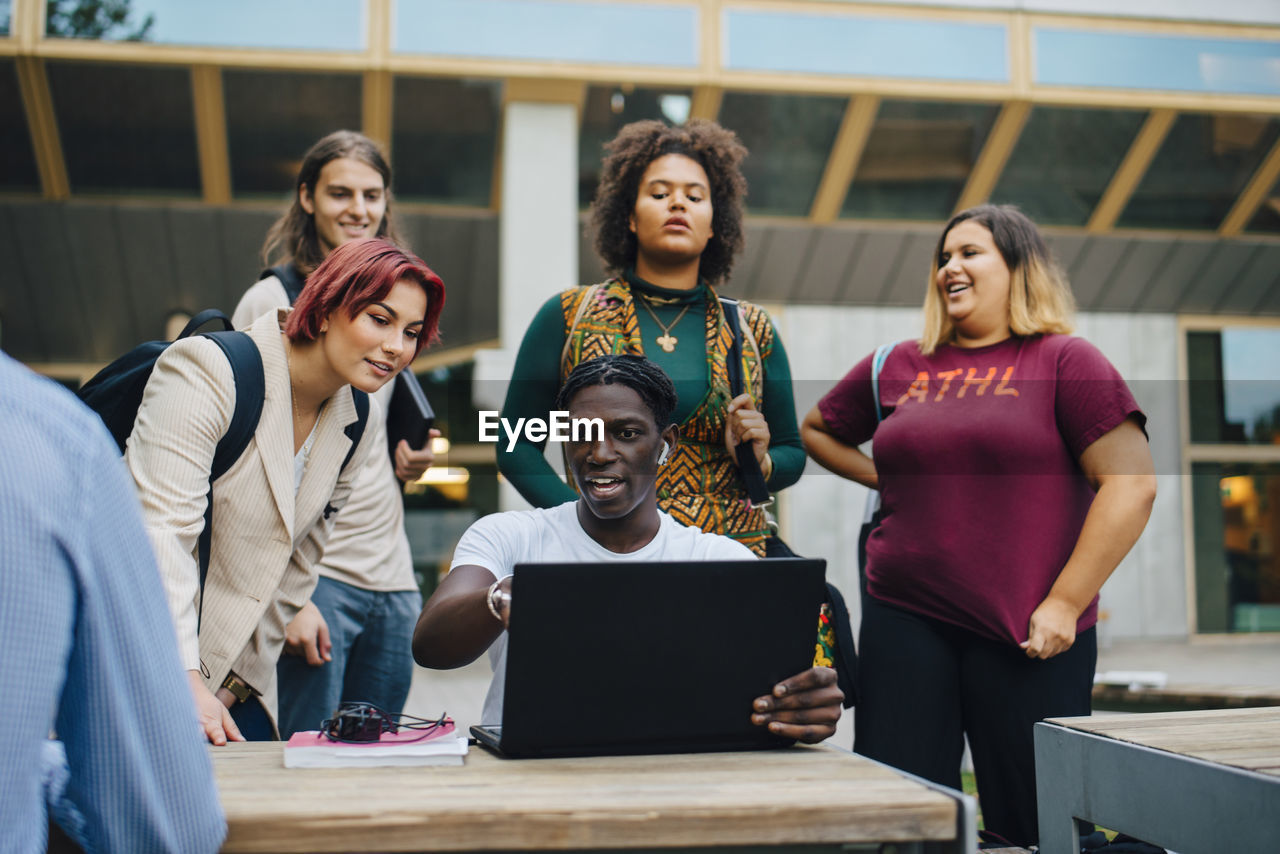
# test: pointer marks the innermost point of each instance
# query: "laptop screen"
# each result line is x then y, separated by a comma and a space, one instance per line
632, 657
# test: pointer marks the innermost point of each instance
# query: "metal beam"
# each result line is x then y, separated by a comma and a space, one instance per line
376, 105
842, 162
1253, 195
33, 84
706, 102
379, 23
26, 22
995, 154
211, 133
1135, 164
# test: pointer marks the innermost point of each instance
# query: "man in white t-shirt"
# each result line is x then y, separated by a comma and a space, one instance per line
616, 518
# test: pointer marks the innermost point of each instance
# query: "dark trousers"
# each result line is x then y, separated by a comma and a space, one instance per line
923, 685
252, 720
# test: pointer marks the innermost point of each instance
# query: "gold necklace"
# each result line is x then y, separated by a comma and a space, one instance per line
666, 340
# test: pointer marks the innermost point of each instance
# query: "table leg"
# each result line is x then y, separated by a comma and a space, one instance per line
1059, 786
1169, 799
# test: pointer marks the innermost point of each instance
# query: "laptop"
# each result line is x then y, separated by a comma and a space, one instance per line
651, 657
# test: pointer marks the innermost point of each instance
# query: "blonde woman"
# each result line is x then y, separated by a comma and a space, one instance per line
1014, 474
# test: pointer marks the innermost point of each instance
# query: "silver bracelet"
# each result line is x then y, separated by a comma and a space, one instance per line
495, 594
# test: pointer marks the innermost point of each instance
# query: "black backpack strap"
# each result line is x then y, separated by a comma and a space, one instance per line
201, 319
355, 432
289, 276
748, 465
251, 390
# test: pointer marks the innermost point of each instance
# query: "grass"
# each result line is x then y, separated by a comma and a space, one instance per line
970, 787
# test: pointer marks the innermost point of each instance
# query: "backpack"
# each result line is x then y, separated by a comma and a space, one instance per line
116, 391
289, 277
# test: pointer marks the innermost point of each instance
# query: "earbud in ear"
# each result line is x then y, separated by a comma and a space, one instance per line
662, 457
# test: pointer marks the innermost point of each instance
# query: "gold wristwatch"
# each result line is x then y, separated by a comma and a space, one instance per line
238, 687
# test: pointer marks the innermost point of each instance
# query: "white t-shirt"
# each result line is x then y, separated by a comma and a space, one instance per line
500, 541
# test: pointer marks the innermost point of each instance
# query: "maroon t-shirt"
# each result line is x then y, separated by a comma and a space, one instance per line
981, 489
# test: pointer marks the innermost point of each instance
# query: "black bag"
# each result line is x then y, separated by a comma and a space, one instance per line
289, 277
115, 393
846, 661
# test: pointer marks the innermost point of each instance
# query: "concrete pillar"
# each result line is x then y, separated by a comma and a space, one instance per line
538, 225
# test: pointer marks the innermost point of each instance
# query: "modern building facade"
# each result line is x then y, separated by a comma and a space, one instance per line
142, 161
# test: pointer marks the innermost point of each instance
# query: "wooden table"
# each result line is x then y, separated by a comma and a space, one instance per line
1203, 782
799, 796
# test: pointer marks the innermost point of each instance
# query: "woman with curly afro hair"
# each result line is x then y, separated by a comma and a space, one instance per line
667, 222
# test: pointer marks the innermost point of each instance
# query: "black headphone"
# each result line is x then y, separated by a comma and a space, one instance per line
360, 723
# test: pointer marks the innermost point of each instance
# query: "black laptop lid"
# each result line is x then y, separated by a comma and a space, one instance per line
637, 657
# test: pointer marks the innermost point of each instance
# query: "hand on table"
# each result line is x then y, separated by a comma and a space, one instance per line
212, 712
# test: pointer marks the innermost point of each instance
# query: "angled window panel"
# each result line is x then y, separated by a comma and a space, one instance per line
444, 138
789, 138
1064, 160
1204, 163
1267, 219
125, 129
17, 160
273, 117
918, 159
607, 109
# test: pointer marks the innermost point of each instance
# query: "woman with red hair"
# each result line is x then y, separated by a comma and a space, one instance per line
363, 316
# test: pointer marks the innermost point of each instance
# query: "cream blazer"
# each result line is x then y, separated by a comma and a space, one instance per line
265, 542
368, 548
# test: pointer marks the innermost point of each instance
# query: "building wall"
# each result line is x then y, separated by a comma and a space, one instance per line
821, 515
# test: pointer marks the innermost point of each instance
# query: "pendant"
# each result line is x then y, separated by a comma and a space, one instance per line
667, 342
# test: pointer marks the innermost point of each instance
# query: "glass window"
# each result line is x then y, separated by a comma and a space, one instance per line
1236, 512
1064, 160
6, 8
1267, 219
917, 159
290, 24
790, 138
1233, 393
17, 162
1199, 171
75, 19
444, 139
607, 109
125, 128
273, 117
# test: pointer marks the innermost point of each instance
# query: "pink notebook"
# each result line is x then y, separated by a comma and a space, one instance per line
311, 749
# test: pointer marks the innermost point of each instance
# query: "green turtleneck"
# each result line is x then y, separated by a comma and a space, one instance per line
535, 380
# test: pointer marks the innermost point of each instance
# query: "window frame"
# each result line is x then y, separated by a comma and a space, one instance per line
1191, 453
